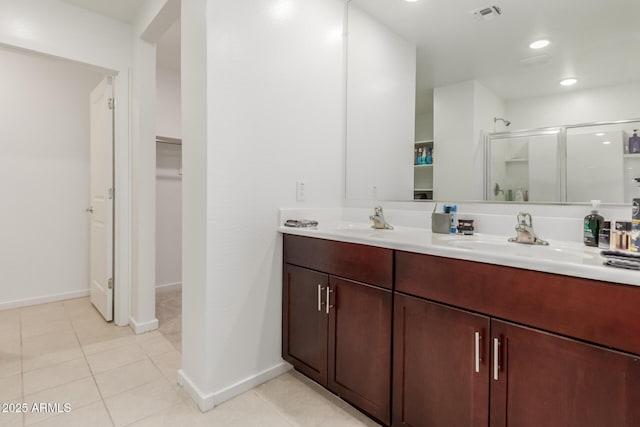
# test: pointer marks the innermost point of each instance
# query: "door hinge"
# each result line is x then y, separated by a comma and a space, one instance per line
111, 104
110, 283
111, 194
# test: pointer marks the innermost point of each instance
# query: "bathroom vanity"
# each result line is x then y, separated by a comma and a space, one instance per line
414, 334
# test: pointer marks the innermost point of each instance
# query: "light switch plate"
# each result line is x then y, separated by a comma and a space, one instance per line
301, 192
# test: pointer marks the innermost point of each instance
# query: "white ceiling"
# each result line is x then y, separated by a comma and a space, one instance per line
122, 10
595, 40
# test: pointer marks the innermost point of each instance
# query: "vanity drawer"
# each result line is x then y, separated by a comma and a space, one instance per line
599, 312
353, 261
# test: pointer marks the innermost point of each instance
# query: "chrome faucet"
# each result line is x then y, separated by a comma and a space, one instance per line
525, 233
378, 220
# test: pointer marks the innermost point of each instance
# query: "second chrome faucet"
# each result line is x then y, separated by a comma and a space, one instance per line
524, 231
378, 220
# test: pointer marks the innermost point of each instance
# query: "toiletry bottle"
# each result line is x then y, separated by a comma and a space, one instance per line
454, 219
419, 158
592, 224
423, 159
634, 143
635, 222
429, 159
519, 195
604, 236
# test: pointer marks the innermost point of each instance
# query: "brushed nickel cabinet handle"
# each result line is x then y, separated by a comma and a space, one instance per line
328, 304
496, 364
477, 350
320, 289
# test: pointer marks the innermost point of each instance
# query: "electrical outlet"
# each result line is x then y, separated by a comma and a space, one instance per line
301, 193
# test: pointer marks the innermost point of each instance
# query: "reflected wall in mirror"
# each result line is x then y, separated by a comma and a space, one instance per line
469, 72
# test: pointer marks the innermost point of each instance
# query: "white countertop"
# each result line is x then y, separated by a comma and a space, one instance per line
560, 257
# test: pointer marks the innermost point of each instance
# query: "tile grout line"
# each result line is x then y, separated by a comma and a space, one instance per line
275, 408
93, 377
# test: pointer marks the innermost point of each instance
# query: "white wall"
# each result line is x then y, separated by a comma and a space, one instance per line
169, 113
168, 180
463, 114
486, 106
44, 165
424, 127
59, 29
575, 106
381, 94
266, 127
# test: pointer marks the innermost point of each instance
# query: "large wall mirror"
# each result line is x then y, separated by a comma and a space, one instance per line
428, 82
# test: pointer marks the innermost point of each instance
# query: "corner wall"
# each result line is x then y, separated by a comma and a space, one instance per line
274, 115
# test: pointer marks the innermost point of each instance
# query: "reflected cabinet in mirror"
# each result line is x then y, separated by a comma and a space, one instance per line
428, 83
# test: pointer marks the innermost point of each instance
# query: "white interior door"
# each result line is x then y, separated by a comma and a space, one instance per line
101, 206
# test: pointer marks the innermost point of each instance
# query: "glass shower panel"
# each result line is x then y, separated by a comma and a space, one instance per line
599, 166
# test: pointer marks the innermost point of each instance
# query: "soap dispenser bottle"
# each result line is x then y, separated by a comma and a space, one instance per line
634, 143
592, 224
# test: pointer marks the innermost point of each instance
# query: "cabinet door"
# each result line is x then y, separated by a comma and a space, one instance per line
440, 365
547, 380
304, 321
360, 346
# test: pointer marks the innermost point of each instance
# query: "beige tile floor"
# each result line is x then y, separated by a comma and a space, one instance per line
64, 352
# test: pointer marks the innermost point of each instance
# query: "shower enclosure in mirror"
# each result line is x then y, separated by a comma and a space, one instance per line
574, 163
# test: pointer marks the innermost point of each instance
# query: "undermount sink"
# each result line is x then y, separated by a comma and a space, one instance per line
550, 253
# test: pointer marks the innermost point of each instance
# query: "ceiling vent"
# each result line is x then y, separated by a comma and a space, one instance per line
487, 13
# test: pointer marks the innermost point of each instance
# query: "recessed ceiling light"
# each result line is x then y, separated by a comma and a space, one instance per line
539, 44
606, 142
600, 134
569, 81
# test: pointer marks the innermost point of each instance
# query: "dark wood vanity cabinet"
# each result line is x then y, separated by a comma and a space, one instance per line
305, 323
441, 358
454, 367
542, 379
474, 344
337, 330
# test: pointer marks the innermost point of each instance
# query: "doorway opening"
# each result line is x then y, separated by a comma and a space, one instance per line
50, 165
169, 186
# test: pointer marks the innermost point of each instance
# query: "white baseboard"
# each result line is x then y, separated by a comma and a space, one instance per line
204, 401
44, 299
168, 287
142, 327
209, 400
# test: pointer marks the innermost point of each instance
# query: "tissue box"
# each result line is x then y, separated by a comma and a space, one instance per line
635, 226
441, 222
